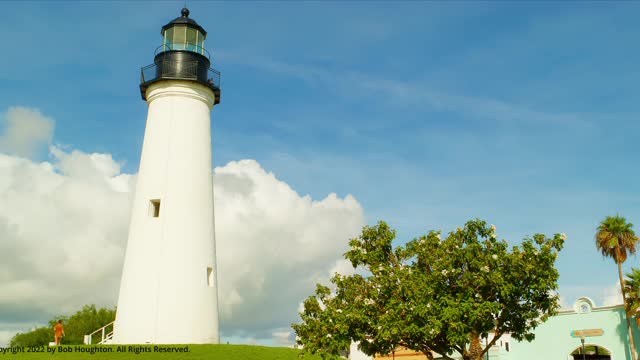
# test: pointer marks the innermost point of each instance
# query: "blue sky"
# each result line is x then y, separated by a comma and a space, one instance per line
429, 113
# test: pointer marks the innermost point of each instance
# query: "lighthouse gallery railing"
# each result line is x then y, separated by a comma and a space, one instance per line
176, 69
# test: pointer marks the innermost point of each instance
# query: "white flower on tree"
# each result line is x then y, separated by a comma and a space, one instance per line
435, 278
368, 301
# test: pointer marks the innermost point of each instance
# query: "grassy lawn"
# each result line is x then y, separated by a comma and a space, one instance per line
161, 352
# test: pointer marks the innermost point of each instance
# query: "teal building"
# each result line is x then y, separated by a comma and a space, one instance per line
604, 330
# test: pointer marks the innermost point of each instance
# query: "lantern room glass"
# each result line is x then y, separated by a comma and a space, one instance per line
182, 37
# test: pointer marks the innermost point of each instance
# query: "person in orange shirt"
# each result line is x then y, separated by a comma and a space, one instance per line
58, 330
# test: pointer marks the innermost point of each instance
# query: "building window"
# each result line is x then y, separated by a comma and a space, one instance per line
154, 208
506, 346
584, 307
210, 276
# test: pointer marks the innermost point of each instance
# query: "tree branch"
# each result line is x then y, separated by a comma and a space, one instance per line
496, 337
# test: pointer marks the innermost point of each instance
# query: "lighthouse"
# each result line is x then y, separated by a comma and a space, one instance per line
168, 292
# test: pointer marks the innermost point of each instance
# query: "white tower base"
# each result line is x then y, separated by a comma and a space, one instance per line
168, 293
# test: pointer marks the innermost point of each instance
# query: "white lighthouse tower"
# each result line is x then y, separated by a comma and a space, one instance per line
168, 293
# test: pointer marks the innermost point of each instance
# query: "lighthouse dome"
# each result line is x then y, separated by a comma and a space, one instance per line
184, 33
182, 56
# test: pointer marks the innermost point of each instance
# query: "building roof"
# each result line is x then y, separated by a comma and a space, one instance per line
184, 20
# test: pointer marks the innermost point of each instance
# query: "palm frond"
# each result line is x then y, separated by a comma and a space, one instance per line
632, 290
615, 238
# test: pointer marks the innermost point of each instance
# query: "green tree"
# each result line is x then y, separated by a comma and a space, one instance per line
82, 323
433, 295
632, 290
616, 239
36, 337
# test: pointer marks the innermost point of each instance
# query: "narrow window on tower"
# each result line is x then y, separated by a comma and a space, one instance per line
191, 39
154, 208
210, 276
179, 37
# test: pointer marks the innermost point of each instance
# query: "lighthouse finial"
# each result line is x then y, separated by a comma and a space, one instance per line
185, 12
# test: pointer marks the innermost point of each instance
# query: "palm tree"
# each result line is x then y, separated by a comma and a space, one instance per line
632, 289
615, 239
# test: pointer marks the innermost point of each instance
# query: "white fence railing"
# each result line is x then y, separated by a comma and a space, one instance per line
105, 336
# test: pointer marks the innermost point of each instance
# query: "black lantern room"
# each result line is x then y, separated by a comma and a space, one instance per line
182, 56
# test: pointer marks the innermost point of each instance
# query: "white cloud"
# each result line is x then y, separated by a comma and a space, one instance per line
273, 244
62, 238
342, 267
64, 223
563, 303
612, 295
25, 131
284, 337
5, 337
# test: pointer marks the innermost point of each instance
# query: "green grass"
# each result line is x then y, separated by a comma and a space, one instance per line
208, 352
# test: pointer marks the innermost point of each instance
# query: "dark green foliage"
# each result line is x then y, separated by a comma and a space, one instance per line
616, 239
76, 327
434, 294
632, 290
85, 322
39, 336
